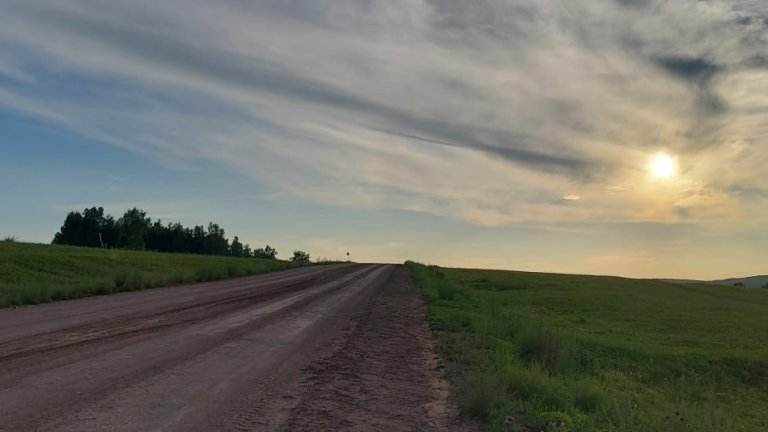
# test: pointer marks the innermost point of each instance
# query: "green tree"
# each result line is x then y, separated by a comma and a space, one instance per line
157, 237
71, 232
133, 227
300, 257
93, 222
196, 239
177, 238
267, 252
135, 230
215, 243
110, 234
236, 248
91, 228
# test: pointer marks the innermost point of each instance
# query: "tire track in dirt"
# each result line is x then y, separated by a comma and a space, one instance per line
326, 349
152, 321
383, 374
47, 384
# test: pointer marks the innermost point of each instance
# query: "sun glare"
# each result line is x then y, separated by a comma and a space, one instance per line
663, 166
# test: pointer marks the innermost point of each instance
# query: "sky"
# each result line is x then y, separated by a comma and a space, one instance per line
486, 133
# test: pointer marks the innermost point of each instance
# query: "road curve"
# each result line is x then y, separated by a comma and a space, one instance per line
245, 354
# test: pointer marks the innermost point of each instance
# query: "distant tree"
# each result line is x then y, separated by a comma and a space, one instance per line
300, 257
133, 227
196, 239
267, 252
236, 248
71, 232
135, 230
765, 285
90, 228
739, 284
110, 234
176, 238
157, 237
215, 243
92, 225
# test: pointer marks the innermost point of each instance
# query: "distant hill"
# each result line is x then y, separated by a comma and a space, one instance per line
751, 281
682, 281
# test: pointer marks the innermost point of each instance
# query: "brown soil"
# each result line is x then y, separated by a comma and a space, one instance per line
323, 348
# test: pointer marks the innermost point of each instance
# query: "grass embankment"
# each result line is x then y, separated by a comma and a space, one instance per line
36, 273
589, 353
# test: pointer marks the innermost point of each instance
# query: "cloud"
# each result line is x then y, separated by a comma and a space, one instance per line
490, 111
634, 3
693, 69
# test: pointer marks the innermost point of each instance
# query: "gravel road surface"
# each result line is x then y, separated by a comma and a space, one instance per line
327, 348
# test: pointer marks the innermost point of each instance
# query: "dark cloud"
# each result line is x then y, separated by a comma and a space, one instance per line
749, 20
688, 68
573, 166
633, 3
699, 72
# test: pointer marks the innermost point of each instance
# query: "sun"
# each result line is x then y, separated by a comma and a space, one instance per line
663, 166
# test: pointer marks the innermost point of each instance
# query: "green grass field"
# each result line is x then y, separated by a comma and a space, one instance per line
589, 353
36, 273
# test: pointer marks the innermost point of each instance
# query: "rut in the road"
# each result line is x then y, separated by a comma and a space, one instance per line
339, 348
99, 383
382, 375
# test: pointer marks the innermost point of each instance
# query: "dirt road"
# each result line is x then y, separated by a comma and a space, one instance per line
329, 348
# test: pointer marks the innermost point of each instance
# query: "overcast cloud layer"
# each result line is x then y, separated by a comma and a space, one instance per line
487, 111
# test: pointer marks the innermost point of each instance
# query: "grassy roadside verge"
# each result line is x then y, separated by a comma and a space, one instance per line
36, 273
585, 353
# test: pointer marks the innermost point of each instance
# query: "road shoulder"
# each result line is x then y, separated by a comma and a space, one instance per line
382, 374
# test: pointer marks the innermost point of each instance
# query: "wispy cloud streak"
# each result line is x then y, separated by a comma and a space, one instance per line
487, 111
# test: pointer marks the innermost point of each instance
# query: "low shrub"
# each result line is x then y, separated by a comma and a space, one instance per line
540, 344
589, 396
128, 279
445, 290
483, 395
531, 384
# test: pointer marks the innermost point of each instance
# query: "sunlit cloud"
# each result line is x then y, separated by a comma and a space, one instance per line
490, 112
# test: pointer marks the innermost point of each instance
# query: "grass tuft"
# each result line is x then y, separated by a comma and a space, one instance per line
589, 396
538, 344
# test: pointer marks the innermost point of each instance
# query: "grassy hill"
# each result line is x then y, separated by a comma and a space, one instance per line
589, 353
36, 273
751, 281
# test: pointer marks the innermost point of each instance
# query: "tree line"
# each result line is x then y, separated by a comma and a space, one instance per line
135, 230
